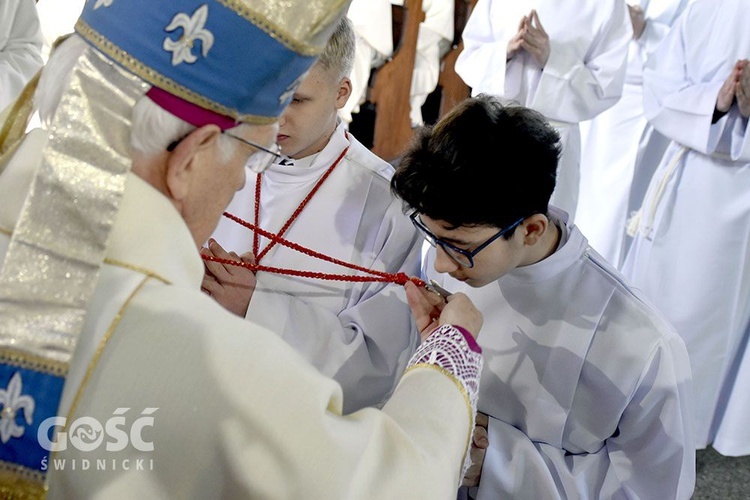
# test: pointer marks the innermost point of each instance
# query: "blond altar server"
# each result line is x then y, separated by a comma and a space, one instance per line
119, 378
373, 24
20, 47
361, 334
690, 253
566, 60
613, 140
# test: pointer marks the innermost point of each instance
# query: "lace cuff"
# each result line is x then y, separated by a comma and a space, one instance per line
455, 351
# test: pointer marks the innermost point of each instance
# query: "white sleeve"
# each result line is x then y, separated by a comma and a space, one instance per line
740, 140
660, 22
241, 415
20, 47
676, 103
650, 455
481, 63
573, 90
680, 105
366, 347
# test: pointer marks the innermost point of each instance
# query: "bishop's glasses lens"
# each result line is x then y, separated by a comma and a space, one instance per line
260, 160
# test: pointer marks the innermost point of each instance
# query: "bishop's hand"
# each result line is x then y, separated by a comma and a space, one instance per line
231, 286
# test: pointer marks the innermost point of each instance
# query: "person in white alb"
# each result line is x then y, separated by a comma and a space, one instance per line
586, 388
338, 326
566, 60
57, 19
119, 378
613, 140
20, 47
373, 25
690, 252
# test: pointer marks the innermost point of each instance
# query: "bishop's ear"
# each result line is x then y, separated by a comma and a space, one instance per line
189, 154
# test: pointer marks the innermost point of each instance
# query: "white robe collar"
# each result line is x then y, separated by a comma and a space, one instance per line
311, 166
572, 245
164, 245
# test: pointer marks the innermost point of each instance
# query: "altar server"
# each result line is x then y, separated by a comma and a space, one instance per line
691, 251
566, 60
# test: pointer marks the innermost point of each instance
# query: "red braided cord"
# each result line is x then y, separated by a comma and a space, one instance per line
375, 275
259, 256
398, 278
256, 236
299, 248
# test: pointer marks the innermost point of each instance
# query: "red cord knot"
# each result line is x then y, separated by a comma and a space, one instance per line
400, 278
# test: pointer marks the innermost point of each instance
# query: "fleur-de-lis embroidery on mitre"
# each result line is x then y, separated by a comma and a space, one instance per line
193, 28
13, 402
102, 3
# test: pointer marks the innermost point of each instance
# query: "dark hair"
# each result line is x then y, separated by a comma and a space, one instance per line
484, 163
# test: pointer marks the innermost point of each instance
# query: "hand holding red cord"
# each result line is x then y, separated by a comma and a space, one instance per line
431, 311
232, 286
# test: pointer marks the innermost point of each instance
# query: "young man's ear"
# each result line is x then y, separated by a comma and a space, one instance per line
344, 92
181, 162
534, 227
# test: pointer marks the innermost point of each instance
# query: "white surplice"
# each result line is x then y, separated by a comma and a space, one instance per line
692, 251
611, 142
57, 19
373, 25
583, 76
587, 386
361, 334
238, 413
20, 47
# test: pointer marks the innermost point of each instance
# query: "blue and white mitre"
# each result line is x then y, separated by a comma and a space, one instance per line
223, 62
242, 59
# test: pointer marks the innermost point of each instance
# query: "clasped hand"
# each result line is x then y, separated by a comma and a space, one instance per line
736, 88
231, 286
532, 38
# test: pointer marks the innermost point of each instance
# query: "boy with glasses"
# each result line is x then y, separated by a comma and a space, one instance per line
585, 387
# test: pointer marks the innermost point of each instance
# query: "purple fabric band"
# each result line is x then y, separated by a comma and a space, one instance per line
469, 339
191, 113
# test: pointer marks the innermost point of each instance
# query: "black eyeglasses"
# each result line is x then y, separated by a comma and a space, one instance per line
464, 258
259, 161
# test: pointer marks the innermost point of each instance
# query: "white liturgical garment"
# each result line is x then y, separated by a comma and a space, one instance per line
361, 334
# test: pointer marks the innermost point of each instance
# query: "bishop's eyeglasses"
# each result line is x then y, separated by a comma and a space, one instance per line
258, 162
